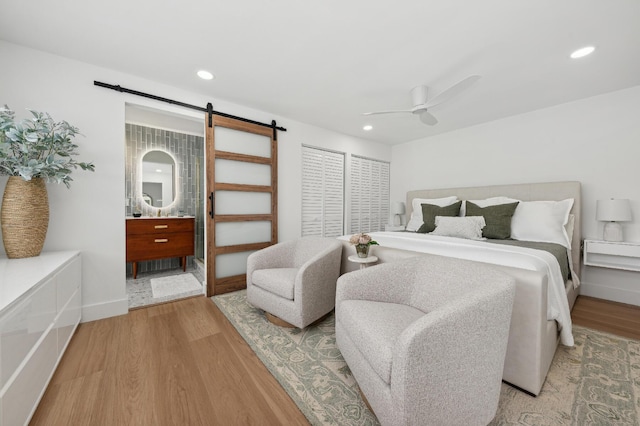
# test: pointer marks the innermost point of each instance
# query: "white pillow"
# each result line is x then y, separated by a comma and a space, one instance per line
542, 221
569, 227
469, 227
416, 220
493, 201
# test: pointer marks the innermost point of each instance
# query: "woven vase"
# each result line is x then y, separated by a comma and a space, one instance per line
24, 217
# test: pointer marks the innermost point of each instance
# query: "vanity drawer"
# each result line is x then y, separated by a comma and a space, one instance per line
147, 247
159, 226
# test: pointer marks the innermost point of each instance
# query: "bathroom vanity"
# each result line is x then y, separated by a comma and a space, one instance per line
150, 238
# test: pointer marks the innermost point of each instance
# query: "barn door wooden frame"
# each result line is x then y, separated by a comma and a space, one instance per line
219, 285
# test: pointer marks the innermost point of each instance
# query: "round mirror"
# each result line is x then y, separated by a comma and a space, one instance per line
158, 179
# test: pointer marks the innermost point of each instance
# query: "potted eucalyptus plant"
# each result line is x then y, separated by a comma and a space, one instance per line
32, 151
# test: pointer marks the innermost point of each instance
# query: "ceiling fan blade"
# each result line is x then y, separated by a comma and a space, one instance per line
427, 118
453, 90
386, 112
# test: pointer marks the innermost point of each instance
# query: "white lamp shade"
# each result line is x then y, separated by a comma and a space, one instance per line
397, 207
613, 210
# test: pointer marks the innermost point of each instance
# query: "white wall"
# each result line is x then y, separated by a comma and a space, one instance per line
595, 141
90, 216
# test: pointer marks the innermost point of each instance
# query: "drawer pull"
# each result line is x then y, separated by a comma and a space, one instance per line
161, 240
161, 226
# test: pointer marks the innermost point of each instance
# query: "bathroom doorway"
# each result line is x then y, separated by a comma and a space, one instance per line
177, 200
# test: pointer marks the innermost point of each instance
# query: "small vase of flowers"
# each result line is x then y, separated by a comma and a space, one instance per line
362, 243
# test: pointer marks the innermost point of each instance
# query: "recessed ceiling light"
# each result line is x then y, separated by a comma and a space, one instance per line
367, 127
582, 52
205, 75
158, 170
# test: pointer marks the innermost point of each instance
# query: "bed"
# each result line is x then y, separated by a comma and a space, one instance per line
541, 312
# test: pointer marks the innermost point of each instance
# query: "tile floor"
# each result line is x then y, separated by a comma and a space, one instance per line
139, 290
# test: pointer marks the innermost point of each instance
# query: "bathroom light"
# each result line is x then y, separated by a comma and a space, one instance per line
582, 52
205, 75
367, 127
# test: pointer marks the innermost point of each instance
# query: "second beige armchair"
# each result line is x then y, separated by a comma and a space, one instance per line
426, 338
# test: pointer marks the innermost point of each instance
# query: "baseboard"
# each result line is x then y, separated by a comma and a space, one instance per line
105, 310
610, 293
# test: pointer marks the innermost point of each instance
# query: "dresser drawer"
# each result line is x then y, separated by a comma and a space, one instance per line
147, 247
159, 226
68, 320
21, 328
21, 397
68, 281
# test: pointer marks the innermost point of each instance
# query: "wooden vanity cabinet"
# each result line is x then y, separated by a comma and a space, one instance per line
159, 238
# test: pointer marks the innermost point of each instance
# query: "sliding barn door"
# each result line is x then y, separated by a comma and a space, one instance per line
242, 179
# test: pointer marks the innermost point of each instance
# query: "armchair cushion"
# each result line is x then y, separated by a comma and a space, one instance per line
374, 327
280, 281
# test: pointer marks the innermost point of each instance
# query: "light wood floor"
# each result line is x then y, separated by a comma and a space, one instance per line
612, 317
183, 363
180, 363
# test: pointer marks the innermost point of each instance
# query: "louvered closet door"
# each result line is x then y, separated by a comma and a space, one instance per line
242, 183
369, 194
322, 192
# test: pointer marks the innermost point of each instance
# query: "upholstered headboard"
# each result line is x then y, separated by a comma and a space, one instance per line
553, 191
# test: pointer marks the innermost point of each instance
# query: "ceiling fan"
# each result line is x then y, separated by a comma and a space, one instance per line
421, 104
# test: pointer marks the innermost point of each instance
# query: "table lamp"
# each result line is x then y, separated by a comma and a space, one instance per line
397, 209
613, 211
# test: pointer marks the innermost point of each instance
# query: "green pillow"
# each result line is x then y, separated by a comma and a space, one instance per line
497, 219
430, 211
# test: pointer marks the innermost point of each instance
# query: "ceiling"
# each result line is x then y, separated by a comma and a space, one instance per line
326, 62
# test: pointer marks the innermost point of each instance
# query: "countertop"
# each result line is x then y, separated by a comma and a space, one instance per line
161, 217
20, 276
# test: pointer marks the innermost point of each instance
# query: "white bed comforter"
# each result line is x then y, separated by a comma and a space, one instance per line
518, 257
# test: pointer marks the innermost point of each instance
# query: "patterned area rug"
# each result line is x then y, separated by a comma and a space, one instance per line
597, 382
174, 284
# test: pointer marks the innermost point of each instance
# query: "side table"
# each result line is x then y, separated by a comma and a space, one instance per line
610, 254
363, 261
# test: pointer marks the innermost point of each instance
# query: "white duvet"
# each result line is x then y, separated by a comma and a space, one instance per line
518, 257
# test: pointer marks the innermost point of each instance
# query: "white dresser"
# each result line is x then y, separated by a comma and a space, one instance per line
40, 306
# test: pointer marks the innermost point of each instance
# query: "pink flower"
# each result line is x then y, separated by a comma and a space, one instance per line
361, 239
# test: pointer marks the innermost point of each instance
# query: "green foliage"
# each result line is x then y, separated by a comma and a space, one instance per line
38, 147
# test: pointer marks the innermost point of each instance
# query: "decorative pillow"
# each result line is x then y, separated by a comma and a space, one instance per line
542, 221
416, 213
497, 218
430, 211
469, 227
493, 201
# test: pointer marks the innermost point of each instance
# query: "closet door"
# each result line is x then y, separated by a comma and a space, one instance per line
242, 178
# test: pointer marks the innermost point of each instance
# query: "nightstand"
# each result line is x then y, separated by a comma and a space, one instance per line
609, 254
394, 228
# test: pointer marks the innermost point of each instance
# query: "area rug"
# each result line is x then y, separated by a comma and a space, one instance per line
175, 284
596, 382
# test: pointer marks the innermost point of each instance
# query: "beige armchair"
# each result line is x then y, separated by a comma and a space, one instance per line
295, 281
425, 338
